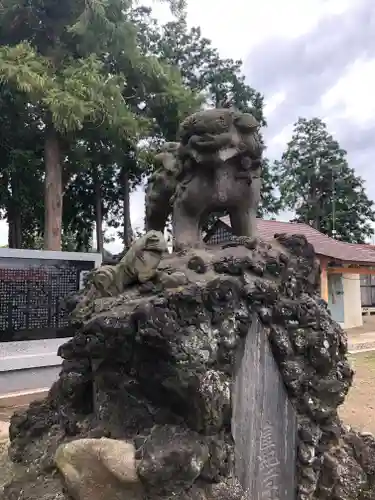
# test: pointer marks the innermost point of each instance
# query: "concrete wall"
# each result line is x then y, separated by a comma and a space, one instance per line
16, 253
29, 365
352, 301
29, 380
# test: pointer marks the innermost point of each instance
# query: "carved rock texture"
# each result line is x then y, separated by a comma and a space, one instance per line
155, 366
99, 469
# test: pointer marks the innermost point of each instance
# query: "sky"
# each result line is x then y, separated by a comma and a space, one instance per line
310, 58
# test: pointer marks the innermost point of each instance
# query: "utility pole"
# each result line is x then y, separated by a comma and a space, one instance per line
333, 205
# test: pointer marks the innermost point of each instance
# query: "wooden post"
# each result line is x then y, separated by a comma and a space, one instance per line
323, 280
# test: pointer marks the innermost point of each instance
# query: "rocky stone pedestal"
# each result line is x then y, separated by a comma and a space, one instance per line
221, 378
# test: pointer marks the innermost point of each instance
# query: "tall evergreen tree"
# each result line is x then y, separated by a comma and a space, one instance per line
269, 205
317, 182
61, 56
21, 170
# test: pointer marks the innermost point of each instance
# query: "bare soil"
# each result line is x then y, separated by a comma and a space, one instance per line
358, 410
7, 468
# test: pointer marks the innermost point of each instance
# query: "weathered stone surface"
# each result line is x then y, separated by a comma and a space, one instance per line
171, 459
138, 265
156, 365
161, 187
264, 423
99, 469
216, 166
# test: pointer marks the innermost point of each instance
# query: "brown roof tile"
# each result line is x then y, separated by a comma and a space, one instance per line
323, 244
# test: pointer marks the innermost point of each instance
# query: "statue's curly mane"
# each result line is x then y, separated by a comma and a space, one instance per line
208, 131
216, 122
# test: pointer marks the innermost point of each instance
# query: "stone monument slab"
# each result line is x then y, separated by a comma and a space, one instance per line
32, 284
264, 422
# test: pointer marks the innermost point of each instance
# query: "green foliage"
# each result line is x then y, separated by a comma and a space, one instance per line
22, 66
21, 171
270, 204
77, 92
317, 182
107, 76
81, 65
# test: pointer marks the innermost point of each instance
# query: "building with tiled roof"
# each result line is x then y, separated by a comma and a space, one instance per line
323, 244
342, 265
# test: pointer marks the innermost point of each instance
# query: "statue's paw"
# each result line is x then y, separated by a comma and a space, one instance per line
249, 242
148, 287
173, 280
197, 264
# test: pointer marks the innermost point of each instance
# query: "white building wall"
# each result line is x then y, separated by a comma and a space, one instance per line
352, 301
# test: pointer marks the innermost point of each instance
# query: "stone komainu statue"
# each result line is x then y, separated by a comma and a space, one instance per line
216, 166
161, 187
138, 265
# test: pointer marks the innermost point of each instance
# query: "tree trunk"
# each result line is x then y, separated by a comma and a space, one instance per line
313, 202
98, 216
14, 215
53, 190
17, 230
17, 212
128, 233
14, 229
9, 209
11, 232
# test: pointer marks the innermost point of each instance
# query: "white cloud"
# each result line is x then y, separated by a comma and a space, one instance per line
277, 143
271, 103
352, 97
236, 27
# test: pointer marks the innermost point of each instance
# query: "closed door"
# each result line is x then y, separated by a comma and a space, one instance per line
336, 297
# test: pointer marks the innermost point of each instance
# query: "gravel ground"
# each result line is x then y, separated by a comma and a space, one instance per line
358, 409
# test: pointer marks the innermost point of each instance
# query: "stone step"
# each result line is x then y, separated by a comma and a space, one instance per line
14, 381
21, 398
12, 402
